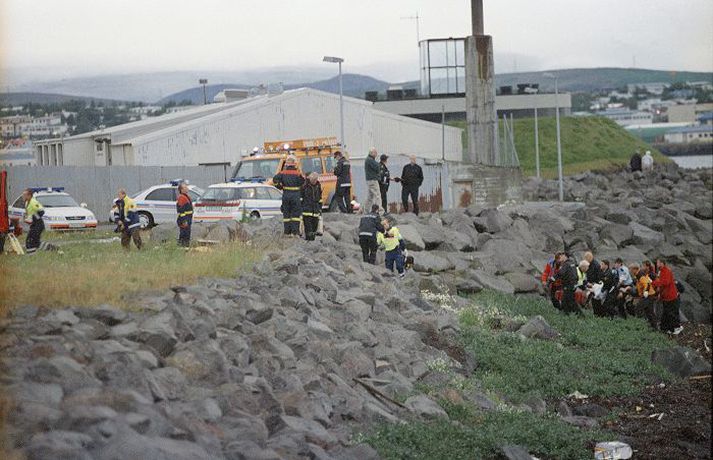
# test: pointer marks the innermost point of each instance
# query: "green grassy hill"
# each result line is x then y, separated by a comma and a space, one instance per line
588, 143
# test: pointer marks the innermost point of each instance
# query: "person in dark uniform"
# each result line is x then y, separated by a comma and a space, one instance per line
33, 216
384, 181
128, 217
343, 191
411, 180
290, 181
369, 227
184, 208
567, 274
311, 205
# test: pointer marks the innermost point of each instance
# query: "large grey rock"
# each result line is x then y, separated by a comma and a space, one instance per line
512, 452
537, 327
645, 237
492, 221
493, 282
126, 443
61, 370
523, 283
412, 237
427, 262
617, 233
425, 407
59, 445
681, 361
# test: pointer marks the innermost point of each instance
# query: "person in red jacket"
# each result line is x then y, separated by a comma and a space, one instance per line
550, 283
184, 208
665, 286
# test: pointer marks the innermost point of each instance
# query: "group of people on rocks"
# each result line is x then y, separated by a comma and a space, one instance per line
646, 290
643, 163
376, 231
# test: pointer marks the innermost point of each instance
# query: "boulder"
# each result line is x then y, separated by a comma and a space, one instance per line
645, 237
492, 221
427, 262
537, 327
512, 452
425, 407
581, 421
619, 234
412, 237
493, 282
681, 361
523, 283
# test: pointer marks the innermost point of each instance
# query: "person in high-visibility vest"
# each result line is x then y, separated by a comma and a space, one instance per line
394, 244
33, 216
129, 218
290, 181
311, 205
184, 208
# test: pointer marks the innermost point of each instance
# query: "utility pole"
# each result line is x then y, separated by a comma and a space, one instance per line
537, 145
443, 132
204, 81
338, 60
559, 139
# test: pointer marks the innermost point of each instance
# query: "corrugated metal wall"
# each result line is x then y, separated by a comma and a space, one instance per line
97, 186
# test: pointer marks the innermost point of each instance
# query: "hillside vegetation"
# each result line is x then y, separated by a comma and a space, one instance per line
590, 143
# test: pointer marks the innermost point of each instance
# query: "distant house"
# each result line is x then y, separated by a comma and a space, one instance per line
690, 134
706, 118
17, 152
687, 113
651, 88
624, 117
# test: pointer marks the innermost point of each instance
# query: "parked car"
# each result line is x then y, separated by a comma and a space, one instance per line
157, 204
62, 212
238, 200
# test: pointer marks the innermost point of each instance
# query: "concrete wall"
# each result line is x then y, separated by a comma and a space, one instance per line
97, 186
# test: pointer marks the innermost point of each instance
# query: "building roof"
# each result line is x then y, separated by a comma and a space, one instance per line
705, 116
692, 129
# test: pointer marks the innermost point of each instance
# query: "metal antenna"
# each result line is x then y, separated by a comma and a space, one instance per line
416, 18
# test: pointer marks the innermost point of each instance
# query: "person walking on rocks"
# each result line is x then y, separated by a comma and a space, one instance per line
311, 205
372, 171
635, 162
33, 216
129, 219
665, 285
647, 162
394, 245
411, 180
184, 208
384, 182
290, 181
567, 275
343, 190
369, 227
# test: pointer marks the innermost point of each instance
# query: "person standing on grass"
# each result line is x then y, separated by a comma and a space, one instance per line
384, 182
665, 285
646, 292
411, 180
343, 191
372, 171
311, 205
33, 216
129, 218
369, 227
184, 208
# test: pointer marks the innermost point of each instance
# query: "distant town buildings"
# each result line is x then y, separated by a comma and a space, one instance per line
625, 117
32, 127
690, 135
17, 152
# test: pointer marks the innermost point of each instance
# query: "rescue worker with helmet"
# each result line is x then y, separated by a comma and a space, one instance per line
311, 205
290, 181
33, 216
184, 208
128, 218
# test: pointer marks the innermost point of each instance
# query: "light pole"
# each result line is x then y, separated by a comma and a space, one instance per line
339, 61
559, 141
533, 92
204, 81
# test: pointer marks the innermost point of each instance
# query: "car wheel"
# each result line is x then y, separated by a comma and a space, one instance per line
145, 220
254, 215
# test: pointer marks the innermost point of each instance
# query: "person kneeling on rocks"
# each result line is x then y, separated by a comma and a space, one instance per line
567, 274
369, 227
394, 244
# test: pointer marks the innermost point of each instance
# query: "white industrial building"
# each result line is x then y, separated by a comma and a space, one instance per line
222, 133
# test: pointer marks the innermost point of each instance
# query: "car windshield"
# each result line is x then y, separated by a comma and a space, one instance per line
57, 201
256, 168
220, 194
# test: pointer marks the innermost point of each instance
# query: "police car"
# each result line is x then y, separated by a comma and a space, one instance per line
157, 204
61, 210
238, 200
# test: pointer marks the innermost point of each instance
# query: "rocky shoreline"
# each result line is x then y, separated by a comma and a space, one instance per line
313, 346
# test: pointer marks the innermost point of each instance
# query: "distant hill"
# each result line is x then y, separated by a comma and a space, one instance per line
46, 98
585, 80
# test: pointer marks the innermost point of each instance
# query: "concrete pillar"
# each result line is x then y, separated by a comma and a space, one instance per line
481, 115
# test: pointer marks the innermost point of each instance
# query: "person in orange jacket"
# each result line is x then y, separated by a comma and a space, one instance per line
550, 283
184, 209
665, 285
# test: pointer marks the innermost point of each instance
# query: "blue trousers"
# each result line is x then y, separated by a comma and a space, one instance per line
397, 257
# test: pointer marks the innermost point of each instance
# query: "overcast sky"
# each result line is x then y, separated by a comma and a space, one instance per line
88, 37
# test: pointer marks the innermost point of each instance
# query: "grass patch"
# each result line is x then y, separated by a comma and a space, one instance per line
594, 356
89, 274
481, 435
588, 144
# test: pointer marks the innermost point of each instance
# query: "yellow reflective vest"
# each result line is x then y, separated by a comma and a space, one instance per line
390, 242
32, 209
